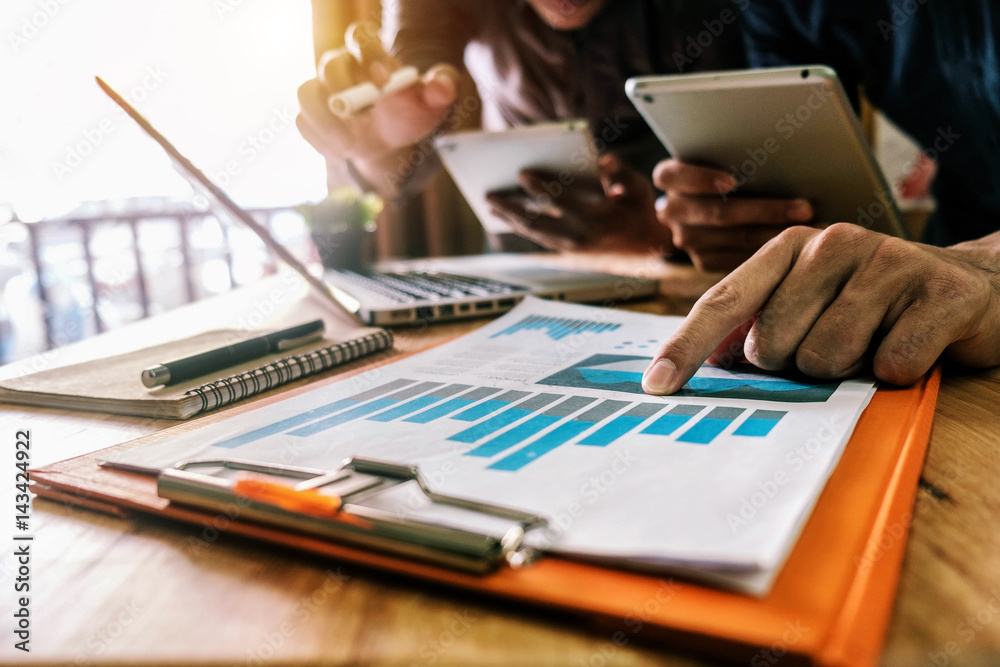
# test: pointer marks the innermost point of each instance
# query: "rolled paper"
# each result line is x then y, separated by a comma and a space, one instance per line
357, 98
402, 78
348, 102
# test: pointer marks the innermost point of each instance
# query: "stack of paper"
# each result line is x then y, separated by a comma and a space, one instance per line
543, 410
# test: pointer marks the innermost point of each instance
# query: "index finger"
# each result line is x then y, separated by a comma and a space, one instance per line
735, 299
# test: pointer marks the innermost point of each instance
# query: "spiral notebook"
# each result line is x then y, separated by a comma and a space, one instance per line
112, 384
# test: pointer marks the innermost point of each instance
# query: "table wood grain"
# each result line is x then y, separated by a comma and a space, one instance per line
110, 590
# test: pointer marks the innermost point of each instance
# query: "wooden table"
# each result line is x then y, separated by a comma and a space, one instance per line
129, 591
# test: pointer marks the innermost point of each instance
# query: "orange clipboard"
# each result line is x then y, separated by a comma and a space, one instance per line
829, 606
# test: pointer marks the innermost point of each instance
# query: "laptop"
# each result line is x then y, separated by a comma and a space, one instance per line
428, 290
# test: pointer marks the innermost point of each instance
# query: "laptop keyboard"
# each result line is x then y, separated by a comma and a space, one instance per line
409, 286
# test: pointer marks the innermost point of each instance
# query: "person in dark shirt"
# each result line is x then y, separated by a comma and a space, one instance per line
837, 301
531, 61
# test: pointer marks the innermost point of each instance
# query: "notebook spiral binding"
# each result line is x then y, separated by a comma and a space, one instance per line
225, 391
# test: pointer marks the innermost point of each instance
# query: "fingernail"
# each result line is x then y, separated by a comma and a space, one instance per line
800, 210
659, 377
724, 184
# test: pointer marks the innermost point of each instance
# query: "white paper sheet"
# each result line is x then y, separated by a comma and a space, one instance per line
715, 482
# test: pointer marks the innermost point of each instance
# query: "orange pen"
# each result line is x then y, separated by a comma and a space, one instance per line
306, 501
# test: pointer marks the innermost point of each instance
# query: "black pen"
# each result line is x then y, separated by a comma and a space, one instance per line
179, 370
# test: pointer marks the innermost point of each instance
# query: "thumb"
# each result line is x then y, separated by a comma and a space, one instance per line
440, 86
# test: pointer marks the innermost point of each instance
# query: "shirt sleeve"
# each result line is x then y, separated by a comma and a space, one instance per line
424, 33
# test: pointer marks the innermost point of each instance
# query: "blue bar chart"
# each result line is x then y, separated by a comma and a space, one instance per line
316, 413
760, 423
559, 436
557, 328
708, 427
505, 418
363, 410
531, 427
511, 429
673, 419
489, 407
621, 425
452, 405
419, 403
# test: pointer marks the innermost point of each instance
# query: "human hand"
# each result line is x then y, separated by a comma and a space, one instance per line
615, 213
394, 122
834, 302
719, 232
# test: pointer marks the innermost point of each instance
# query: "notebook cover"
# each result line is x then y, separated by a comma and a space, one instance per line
830, 604
112, 384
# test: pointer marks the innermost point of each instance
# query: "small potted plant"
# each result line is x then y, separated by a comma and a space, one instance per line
342, 227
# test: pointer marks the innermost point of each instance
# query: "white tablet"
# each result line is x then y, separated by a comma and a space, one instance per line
480, 162
781, 132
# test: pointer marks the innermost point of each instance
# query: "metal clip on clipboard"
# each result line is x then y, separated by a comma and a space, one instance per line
449, 543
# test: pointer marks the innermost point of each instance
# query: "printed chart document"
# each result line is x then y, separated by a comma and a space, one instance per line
543, 410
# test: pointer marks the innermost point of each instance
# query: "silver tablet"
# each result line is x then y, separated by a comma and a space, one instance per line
781, 132
480, 162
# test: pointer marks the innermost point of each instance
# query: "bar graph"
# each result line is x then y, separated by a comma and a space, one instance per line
532, 427
453, 405
760, 423
489, 407
305, 417
621, 425
419, 403
518, 426
671, 421
363, 410
505, 418
558, 436
711, 425
557, 328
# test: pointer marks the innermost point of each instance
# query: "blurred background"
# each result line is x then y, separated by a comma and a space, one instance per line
96, 228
